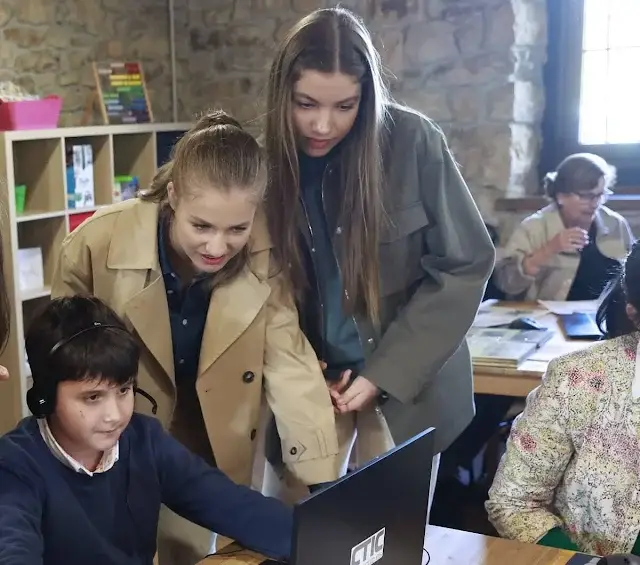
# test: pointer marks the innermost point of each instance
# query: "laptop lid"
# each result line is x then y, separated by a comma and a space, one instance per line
580, 326
376, 514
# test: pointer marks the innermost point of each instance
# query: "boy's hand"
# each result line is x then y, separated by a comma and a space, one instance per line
4, 373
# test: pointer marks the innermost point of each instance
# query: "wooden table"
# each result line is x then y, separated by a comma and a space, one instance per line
521, 381
453, 547
445, 547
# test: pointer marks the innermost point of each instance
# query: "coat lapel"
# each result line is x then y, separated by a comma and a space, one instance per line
149, 313
232, 309
234, 306
140, 278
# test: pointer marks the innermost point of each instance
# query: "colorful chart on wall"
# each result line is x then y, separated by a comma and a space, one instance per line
122, 93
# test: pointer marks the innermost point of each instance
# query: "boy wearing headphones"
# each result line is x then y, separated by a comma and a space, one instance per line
82, 480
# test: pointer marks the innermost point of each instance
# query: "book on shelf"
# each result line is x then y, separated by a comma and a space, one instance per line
503, 347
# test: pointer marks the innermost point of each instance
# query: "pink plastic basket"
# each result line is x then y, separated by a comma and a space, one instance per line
30, 114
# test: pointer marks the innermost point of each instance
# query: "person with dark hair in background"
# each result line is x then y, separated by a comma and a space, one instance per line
570, 249
569, 477
82, 480
5, 314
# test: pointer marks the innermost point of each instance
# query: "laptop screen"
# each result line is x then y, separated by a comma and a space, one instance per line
376, 514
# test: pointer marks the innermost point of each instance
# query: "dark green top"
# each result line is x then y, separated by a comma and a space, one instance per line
558, 539
341, 347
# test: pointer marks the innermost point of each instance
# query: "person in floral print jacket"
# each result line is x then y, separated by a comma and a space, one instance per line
570, 476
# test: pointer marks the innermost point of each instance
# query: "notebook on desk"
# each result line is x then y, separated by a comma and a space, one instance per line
504, 347
580, 326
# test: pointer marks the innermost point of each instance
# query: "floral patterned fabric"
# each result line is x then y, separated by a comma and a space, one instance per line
573, 457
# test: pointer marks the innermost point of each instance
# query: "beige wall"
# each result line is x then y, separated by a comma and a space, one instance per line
473, 65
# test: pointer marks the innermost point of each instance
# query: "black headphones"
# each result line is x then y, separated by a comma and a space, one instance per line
41, 397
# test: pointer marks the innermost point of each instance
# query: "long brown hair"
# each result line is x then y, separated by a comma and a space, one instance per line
330, 40
5, 313
216, 152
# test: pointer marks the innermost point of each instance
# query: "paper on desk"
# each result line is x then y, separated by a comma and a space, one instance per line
487, 304
570, 307
491, 316
551, 350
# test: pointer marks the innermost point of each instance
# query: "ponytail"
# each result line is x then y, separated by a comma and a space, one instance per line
223, 124
158, 190
5, 307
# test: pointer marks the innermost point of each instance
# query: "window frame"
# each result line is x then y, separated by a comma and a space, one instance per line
562, 78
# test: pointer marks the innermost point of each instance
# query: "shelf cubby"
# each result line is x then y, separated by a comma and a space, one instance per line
47, 234
102, 147
135, 155
39, 165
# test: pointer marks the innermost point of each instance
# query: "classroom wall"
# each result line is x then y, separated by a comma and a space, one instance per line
46, 46
473, 65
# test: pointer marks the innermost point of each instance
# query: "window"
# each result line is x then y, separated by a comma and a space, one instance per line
610, 85
592, 81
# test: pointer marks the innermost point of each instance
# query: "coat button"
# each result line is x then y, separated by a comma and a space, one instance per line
248, 377
293, 450
253, 434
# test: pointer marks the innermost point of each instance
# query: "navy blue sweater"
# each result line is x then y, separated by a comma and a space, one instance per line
51, 515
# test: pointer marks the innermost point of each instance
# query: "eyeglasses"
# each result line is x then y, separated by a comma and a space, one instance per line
590, 197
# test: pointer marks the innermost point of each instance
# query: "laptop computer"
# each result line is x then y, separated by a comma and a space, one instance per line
580, 326
376, 514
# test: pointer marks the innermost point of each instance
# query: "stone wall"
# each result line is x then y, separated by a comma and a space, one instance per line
475, 66
46, 47
472, 65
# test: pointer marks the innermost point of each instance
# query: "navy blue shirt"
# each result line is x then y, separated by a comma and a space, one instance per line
188, 307
51, 515
342, 348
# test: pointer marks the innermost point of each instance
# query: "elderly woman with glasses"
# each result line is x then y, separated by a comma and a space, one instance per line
570, 249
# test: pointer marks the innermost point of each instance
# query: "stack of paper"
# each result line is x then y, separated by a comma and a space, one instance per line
504, 348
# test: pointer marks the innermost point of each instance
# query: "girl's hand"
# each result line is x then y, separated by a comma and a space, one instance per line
336, 387
358, 396
4, 373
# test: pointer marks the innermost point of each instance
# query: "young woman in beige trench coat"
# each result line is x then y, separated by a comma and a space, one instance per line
201, 223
